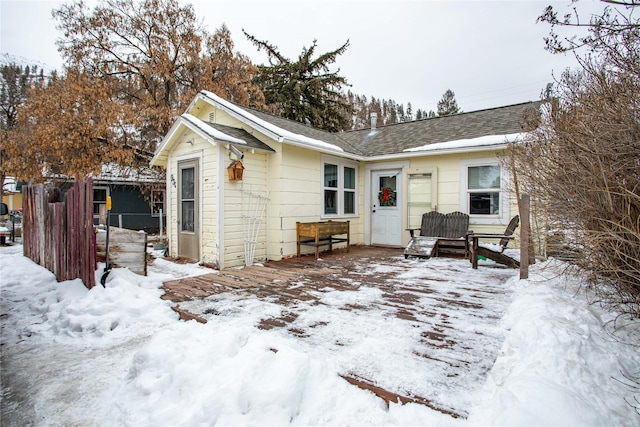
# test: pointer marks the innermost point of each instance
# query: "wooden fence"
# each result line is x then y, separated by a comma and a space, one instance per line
59, 235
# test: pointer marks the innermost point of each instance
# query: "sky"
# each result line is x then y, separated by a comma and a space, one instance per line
490, 53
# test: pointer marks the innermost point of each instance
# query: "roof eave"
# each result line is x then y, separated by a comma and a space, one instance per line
242, 118
444, 151
160, 159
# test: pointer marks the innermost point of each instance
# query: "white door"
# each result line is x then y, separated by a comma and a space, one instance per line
386, 212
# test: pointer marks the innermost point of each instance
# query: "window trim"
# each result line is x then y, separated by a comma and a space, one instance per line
503, 216
164, 202
340, 189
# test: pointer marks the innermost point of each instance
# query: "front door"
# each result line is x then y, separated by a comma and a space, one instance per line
188, 220
386, 215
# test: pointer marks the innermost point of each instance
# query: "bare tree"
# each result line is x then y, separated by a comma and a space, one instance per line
582, 163
151, 52
69, 127
15, 82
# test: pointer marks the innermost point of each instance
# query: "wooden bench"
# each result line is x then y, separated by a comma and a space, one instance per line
440, 233
322, 233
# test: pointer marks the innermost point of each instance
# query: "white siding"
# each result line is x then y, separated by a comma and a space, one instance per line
237, 204
296, 177
206, 153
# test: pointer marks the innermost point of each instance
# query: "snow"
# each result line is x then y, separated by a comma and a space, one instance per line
481, 141
210, 131
120, 356
8, 59
285, 135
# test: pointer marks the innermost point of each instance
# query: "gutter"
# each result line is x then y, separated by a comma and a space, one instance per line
411, 154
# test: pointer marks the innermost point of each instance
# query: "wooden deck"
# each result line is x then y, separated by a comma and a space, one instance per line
431, 301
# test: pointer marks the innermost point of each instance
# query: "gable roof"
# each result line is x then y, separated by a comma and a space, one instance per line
210, 132
473, 131
279, 133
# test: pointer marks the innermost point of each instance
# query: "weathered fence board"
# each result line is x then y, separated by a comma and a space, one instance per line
127, 248
60, 235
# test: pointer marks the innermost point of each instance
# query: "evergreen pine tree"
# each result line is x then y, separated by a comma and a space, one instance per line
305, 90
448, 105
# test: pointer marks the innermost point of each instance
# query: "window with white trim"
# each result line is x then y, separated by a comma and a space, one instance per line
483, 190
157, 202
339, 187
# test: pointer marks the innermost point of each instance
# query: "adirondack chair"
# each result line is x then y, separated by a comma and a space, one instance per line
494, 252
440, 234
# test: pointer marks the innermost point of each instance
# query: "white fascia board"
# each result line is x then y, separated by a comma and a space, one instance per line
208, 132
198, 126
442, 152
155, 160
239, 114
319, 146
414, 154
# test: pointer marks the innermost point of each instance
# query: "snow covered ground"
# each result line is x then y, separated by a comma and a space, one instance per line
120, 356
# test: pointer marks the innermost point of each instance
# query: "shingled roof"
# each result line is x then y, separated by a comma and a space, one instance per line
251, 141
335, 138
399, 137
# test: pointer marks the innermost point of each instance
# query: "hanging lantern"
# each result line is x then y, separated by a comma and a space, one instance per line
235, 171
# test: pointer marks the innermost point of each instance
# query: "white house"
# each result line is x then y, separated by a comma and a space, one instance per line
380, 179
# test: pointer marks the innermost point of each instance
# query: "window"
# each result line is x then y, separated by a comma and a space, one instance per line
100, 204
330, 189
349, 190
339, 187
483, 193
483, 186
157, 202
187, 197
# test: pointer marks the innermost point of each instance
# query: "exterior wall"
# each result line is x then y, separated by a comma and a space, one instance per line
130, 209
240, 206
296, 183
224, 229
209, 212
449, 187
207, 154
13, 201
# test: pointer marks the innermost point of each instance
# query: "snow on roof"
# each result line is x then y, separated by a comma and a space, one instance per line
284, 135
487, 140
9, 184
209, 131
113, 172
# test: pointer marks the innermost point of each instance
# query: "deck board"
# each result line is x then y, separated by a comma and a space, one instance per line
431, 302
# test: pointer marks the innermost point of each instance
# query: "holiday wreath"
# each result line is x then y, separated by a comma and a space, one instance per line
387, 197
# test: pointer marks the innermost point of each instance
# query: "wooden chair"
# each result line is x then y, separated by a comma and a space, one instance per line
494, 253
440, 234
